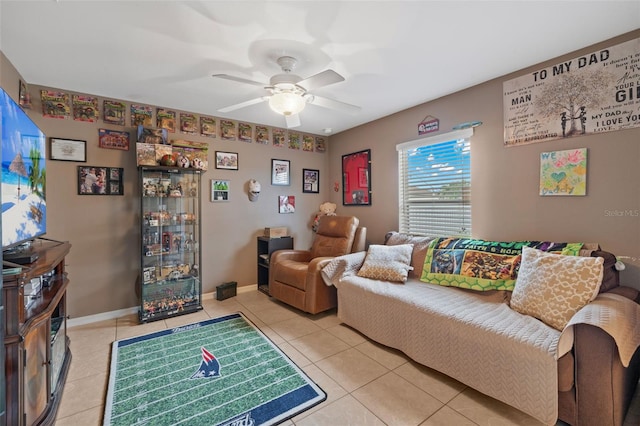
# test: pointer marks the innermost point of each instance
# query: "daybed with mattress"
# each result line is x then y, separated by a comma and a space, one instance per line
518, 341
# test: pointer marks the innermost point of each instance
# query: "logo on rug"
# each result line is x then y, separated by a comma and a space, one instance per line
209, 367
242, 420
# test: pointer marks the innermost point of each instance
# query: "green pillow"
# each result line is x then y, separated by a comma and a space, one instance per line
482, 265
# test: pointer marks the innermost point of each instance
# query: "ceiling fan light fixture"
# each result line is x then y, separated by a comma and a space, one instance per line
287, 103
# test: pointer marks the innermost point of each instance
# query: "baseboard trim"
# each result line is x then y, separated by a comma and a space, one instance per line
248, 288
105, 316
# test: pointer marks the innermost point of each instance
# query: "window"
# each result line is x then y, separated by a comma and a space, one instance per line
435, 185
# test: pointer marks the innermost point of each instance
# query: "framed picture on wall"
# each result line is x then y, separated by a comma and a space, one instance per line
310, 181
563, 172
356, 178
114, 180
280, 172
68, 150
96, 180
226, 160
286, 204
219, 190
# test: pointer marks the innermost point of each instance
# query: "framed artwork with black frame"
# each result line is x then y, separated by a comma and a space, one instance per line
311, 181
356, 178
226, 160
96, 180
68, 150
280, 172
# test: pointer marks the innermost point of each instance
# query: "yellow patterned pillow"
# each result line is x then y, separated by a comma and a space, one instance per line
387, 263
553, 287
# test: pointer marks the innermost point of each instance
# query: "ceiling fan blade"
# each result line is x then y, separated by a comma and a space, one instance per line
243, 104
293, 120
333, 104
239, 79
321, 79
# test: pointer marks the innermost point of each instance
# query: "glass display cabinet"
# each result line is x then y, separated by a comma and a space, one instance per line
170, 229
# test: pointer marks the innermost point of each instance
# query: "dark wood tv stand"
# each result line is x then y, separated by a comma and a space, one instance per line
37, 355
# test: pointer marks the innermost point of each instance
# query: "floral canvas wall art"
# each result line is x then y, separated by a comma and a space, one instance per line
563, 172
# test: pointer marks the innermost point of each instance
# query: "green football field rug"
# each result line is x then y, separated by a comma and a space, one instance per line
222, 371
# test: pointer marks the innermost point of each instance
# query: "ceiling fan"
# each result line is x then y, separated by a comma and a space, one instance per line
289, 93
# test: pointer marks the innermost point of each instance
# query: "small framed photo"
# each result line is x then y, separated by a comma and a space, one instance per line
95, 180
226, 160
68, 150
113, 139
114, 173
310, 181
286, 204
219, 190
115, 188
115, 180
280, 172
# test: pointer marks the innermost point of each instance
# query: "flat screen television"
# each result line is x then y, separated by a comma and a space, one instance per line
24, 208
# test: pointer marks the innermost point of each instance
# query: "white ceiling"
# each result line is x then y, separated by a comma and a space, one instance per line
394, 55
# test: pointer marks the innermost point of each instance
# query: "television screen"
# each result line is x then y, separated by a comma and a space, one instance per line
24, 210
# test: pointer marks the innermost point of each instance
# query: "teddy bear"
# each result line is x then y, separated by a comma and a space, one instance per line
326, 209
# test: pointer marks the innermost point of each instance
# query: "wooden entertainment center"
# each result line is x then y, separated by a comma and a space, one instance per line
37, 355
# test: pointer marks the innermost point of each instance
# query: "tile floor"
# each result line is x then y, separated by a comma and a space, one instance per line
366, 383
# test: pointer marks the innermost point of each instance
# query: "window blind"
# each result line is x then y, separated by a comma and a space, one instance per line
435, 185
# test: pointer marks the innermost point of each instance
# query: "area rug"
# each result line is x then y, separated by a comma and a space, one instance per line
222, 371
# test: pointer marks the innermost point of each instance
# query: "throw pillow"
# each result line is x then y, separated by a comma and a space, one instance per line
481, 265
554, 287
387, 263
420, 246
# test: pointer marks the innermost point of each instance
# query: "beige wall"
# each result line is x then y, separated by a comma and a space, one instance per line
505, 200
104, 230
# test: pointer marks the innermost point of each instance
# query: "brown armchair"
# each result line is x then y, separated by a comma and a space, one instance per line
294, 275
